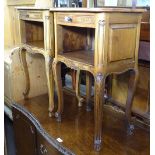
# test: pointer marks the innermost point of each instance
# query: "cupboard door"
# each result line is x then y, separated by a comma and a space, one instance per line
25, 134
122, 42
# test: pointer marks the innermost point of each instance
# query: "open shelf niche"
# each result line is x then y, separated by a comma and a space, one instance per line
76, 43
33, 33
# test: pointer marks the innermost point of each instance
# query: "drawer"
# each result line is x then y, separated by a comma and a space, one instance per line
76, 19
31, 15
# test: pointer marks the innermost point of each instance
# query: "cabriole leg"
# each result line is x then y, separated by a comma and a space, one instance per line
73, 75
58, 83
77, 90
131, 90
50, 83
98, 109
88, 91
22, 56
108, 93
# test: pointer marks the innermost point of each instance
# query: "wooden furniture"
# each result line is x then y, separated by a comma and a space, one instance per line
44, 3
10, 22
144, 49
119, 83
14, 78
78, 124
37, 37
36, 140
14, 82
102, 42
145, 26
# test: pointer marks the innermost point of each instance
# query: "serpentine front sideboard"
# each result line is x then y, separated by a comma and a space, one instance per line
102, 41
37, 37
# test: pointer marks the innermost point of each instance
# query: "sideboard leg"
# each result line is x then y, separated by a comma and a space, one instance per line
98, 109
88, 91
50, 83
22, 56
58, 83
131, 90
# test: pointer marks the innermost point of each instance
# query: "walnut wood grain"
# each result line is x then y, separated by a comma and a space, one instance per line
22, 55
77, 127
145, 26
37, 44
115, 51
37, 140
37, 37
98, 10
78, 81
82, 56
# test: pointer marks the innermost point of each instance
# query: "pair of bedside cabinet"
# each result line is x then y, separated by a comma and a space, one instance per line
100, 41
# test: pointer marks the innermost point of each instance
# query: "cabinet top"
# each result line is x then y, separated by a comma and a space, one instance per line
31, 8
105, 9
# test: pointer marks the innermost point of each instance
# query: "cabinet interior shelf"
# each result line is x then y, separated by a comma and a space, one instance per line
37, 43
83, 56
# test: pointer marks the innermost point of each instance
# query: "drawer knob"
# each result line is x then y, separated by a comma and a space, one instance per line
68, 19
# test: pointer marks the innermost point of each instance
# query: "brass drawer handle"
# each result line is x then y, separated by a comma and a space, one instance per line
68, 19
43, 149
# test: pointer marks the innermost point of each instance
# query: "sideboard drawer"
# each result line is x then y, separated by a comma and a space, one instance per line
31, 15
76, 19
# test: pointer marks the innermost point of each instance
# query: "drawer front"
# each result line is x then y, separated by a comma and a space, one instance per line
31, 15
76, 19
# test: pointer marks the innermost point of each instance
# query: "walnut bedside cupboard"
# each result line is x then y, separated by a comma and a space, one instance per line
37, 37
102, 41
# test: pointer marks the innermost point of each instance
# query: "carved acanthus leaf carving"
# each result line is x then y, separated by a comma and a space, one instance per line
99, 77
100, 82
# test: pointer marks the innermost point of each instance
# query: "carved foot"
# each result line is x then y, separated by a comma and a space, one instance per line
58, 117
22, 56
97, 145
80, 101
50, 114
51, 110
130, 129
